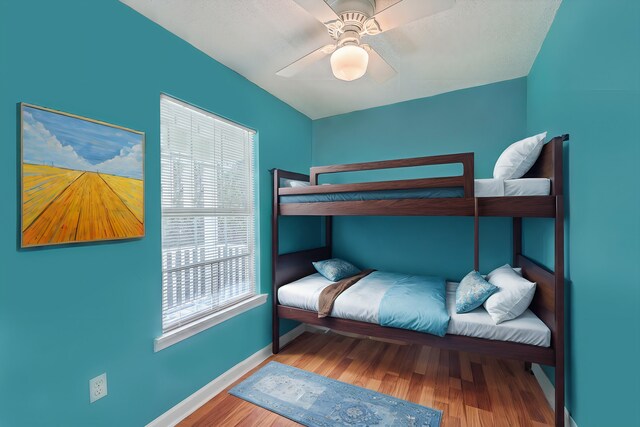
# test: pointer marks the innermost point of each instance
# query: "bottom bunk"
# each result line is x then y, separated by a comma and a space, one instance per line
545, 311
362, 302
529, 337
525, 338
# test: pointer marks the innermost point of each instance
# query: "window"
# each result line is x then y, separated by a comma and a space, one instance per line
208, 246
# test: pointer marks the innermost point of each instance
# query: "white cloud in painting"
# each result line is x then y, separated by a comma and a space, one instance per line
128, 163
43, 148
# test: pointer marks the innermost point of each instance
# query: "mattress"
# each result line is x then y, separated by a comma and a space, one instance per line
525, 329
483, 188
512, 187
361, 304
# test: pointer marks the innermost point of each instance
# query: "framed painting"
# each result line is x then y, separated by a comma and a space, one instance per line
82, 180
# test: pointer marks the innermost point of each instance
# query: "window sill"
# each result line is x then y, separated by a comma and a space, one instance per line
186, 331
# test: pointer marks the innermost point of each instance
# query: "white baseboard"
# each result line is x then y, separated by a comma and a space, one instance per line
189, 405
550, 393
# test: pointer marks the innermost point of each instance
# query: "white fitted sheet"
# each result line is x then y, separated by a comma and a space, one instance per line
355, 305
496, 187
525, 329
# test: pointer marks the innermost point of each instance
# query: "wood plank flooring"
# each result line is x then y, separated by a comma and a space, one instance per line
472, 390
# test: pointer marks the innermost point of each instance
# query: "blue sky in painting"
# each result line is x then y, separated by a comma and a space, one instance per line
94, 142
63, 141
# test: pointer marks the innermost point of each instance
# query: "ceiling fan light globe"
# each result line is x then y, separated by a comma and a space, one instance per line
349, 62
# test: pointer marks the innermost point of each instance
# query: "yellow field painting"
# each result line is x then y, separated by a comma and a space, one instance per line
79, 206
82, 179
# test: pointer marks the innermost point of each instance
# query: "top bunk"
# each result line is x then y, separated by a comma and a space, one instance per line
535, 195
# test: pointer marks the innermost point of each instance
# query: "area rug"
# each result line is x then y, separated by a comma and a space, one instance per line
317, 401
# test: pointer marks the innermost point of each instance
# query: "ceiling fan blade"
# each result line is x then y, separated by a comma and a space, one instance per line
302, 63
407, 11
319, 9
378, 69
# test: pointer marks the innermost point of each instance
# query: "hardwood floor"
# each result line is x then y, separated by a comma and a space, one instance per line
472, 390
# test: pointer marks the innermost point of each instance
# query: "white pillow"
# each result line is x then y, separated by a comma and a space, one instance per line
513, 296
297, 184
284, 182
518, 158
518, 271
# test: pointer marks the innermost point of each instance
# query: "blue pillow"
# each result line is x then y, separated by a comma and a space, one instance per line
472, 291
336, 269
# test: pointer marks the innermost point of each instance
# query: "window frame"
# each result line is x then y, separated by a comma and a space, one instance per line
204, 319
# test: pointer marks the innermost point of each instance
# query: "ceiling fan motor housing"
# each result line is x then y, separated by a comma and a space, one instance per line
354, 15
349, 37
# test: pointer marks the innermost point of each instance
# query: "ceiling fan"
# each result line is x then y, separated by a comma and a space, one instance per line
347, 21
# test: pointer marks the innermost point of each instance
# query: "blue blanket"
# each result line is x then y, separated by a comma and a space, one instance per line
416, 303
418, 193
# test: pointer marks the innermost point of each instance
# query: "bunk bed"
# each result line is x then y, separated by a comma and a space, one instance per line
439, 196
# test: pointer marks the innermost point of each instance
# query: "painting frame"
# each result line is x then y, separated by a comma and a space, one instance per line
126, 193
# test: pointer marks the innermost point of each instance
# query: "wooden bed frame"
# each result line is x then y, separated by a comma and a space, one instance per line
548, 302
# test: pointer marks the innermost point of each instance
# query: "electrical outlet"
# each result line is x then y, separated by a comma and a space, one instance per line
97, 387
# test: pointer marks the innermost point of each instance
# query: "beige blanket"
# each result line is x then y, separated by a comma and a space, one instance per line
333, 291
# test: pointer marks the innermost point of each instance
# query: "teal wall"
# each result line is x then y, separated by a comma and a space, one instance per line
484, 120
70, 313
586, 82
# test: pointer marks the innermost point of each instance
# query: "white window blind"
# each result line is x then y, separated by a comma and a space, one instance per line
207, 201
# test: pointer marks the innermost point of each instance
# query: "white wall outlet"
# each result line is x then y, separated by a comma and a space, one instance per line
98, 387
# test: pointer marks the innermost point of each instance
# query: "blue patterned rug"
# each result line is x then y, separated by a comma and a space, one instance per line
317, 401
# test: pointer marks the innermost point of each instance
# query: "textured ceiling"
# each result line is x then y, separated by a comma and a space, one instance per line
476, 42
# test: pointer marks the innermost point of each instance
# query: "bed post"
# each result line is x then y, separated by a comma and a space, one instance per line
517, 251
328, 223
517, 240
559, 315
476, 236
559, 279
328, 234
275, 323
557, 189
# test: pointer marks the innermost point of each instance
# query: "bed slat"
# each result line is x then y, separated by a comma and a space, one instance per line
518, 206
457, 206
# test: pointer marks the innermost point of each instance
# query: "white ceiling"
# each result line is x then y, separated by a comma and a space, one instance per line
475, 43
